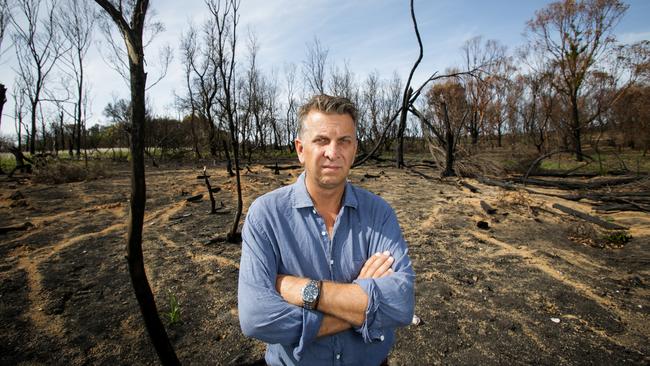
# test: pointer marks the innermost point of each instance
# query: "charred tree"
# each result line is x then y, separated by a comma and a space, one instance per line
37, 50
446, 116
226, 19
3, 99
408, 91
575, 36
76, 21
132, 32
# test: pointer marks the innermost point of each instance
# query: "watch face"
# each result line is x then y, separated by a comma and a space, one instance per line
310, 293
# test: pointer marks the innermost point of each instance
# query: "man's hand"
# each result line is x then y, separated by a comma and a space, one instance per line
377, 266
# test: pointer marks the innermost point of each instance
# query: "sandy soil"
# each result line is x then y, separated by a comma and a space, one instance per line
531, 289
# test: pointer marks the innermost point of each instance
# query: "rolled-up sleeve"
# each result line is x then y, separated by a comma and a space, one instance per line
391, 299
263, 313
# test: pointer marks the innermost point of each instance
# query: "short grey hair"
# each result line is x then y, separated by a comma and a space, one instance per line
326, 104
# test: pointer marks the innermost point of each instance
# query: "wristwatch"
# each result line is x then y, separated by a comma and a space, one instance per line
311, 294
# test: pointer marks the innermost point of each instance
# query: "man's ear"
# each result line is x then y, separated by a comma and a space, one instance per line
299, 149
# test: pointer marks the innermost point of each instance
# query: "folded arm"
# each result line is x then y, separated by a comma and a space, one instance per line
391, 299
381, 297
346, 302
263, 313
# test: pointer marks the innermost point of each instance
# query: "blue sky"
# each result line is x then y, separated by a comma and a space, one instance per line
368, 34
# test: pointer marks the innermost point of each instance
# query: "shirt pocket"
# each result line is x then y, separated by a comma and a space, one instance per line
349, 270
353, 254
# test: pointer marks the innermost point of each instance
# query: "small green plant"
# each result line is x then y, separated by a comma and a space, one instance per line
174, 314
618, 239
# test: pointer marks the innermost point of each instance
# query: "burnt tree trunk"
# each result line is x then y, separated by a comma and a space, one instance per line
78, 117
3, 99
62, 134
233, 233
474, 128
20, 161
226, 150
132, 33
32, 132
212, 138
576, 133
402, 128
195, 140
408, 91
499, 137
135, 258
449, 146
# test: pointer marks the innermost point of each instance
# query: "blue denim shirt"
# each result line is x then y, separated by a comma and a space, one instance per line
284, 234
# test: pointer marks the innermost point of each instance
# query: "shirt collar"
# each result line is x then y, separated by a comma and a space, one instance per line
301, 197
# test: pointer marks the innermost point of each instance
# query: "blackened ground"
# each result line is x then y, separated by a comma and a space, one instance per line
528, 290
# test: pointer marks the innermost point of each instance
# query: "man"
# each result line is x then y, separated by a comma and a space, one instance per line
325, 276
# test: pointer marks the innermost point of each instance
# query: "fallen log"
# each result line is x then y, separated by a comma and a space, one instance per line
469, 186
487, 208
281, 167
571, 185
605, 198
22, 227
497, 183
196, 198
371, 176
178, 217
423, 165
425, 176
557, 174
631, 206
609, 197
589, 218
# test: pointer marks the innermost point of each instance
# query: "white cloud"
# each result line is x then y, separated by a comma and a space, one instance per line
633, 37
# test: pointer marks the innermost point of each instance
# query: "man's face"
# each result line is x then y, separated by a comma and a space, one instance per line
327, 148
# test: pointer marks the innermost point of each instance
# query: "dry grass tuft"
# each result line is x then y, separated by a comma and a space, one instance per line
467, 164
56, 171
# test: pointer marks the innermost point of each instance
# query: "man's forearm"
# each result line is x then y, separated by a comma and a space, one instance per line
332, 325
346, 301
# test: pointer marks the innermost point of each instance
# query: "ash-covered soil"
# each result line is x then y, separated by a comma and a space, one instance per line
536, 287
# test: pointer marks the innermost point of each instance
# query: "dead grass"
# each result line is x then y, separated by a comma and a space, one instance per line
55, 171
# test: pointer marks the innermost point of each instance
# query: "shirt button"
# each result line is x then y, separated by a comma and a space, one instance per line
381, 338
314, 211
338, 356
323, 233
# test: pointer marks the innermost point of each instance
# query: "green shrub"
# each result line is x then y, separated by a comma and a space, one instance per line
174, 313
617, 239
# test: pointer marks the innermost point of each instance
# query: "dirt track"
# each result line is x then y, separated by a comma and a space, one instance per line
521, 292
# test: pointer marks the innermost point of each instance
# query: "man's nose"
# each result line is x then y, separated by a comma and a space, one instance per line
331, 150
